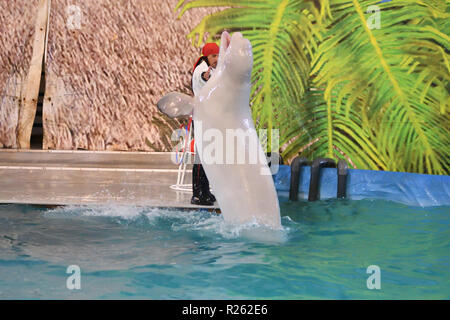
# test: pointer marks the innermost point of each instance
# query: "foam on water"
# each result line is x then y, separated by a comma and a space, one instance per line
179, 220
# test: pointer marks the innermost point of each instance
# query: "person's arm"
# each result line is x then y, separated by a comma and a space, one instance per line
197, 80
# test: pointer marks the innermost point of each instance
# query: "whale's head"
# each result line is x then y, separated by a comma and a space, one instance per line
235, 64
236, 56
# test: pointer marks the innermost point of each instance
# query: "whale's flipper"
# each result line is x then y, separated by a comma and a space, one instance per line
176, 105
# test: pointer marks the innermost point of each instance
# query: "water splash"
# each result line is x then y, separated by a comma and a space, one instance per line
204, 223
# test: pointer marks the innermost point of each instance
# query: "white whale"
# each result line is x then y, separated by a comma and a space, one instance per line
245, 191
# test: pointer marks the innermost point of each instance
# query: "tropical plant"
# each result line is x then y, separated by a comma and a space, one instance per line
341, 79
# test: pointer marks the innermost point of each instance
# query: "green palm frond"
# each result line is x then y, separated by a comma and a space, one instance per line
336, 87
335, 134
403, 66
284, 35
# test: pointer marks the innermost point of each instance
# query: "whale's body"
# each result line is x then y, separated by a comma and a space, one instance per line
245, 190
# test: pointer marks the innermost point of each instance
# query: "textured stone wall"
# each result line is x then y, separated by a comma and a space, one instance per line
17, 23
108, 66
108, 63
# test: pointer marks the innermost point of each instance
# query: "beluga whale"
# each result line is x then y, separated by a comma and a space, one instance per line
233, 160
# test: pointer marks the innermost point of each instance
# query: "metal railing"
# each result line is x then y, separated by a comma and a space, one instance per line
314, 187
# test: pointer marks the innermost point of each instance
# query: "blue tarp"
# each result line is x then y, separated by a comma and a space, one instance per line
408, 188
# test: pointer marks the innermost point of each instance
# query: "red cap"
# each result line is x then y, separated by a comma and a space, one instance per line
210, 48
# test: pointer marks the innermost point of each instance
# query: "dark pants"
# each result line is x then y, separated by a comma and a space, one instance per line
200, 183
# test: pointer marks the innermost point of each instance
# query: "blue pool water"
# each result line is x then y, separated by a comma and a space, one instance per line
323, 252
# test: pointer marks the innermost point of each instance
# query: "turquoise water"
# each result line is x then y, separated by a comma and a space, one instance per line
140, 253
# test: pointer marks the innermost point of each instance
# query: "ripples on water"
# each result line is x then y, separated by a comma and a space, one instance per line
322, 252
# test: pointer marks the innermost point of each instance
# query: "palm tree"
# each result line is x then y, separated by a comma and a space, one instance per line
345, 79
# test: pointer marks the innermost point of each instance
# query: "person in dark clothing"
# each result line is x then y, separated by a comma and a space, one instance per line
203, 69
200, 187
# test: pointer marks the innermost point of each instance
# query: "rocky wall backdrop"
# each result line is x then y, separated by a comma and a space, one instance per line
17, 22
107, 64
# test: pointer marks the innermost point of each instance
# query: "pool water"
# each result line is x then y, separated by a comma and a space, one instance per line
323, 252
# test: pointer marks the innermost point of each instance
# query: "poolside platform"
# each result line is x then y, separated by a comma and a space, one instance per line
49, 177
